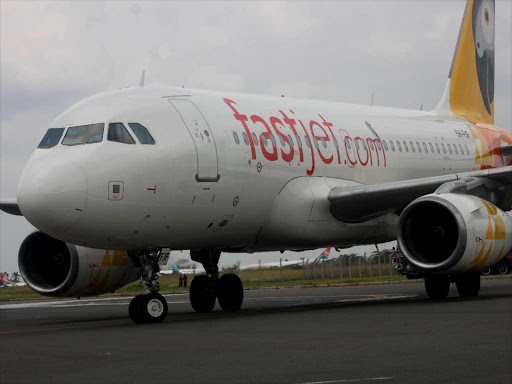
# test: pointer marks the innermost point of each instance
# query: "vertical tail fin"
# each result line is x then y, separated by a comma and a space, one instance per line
469, 92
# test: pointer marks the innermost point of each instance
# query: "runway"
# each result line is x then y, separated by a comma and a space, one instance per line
353, 334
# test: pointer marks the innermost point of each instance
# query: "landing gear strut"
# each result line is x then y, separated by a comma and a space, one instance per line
151, 307
204, 290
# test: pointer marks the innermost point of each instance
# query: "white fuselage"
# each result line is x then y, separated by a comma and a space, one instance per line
197, 188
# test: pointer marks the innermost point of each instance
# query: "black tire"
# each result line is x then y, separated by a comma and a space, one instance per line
202, 294
134, 310
437, 287
468, 285
486, 271
503, 269
230, 292
153, 308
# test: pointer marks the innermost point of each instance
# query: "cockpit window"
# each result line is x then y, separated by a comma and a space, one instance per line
51, 138
142, 133
84, 134
117, 132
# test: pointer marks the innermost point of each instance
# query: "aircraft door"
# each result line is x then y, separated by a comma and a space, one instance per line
206, 149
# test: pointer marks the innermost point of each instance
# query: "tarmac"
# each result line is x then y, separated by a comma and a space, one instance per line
354, 334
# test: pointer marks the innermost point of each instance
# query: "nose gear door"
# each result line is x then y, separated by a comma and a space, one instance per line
206, 149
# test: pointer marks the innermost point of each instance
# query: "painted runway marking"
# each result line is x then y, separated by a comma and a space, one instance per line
78, 303
115, 300
350, 380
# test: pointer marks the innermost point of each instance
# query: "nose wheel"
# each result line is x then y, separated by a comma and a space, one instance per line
148, 308
151, 307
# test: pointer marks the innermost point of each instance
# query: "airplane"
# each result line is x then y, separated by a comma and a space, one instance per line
288, 263
5, 282
123, 174
183, 271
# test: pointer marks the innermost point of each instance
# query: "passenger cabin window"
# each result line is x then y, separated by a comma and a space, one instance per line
299, 141
399, 146
254, 138
51, 138
418, 146
84, 134
142, 133
273, 140
461, 149
431, 147
455, 149
449, 149
385, 144
437, 148
467, 149
405, 146
281, 140
392, 145
235, 136
425, 147
291, 141
335, 142
246, 139
444, 148
412, 146
118, 133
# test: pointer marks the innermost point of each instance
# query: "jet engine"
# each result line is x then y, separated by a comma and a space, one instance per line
453, 233
54, 268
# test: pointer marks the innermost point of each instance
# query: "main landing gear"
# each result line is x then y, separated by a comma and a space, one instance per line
151, 307
205, 290
438, 286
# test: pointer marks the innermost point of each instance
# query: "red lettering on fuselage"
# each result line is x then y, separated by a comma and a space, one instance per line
317, 131
288, 157
264, 137
243, 120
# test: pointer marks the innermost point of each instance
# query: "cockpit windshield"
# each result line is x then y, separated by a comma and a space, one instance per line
117, 132
142, 133
84, 134
51, 138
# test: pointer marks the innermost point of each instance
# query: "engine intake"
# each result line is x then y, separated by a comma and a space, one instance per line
447, 233
54, 268
48, 266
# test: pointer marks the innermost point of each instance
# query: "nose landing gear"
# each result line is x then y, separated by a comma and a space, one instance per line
151, 307
204, 290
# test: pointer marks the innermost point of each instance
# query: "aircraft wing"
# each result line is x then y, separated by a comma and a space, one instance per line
10, 206
364, 202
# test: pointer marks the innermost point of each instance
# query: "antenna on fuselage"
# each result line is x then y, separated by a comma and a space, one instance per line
142, 76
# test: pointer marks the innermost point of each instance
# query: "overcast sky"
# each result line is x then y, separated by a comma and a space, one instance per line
53, 54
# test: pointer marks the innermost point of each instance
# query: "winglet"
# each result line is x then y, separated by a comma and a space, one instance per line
142, 76
469, 92
10, 206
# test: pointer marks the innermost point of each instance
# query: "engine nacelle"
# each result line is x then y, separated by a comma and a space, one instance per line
54, 268
454, 233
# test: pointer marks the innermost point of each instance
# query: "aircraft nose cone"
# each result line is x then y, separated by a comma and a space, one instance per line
52, 194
